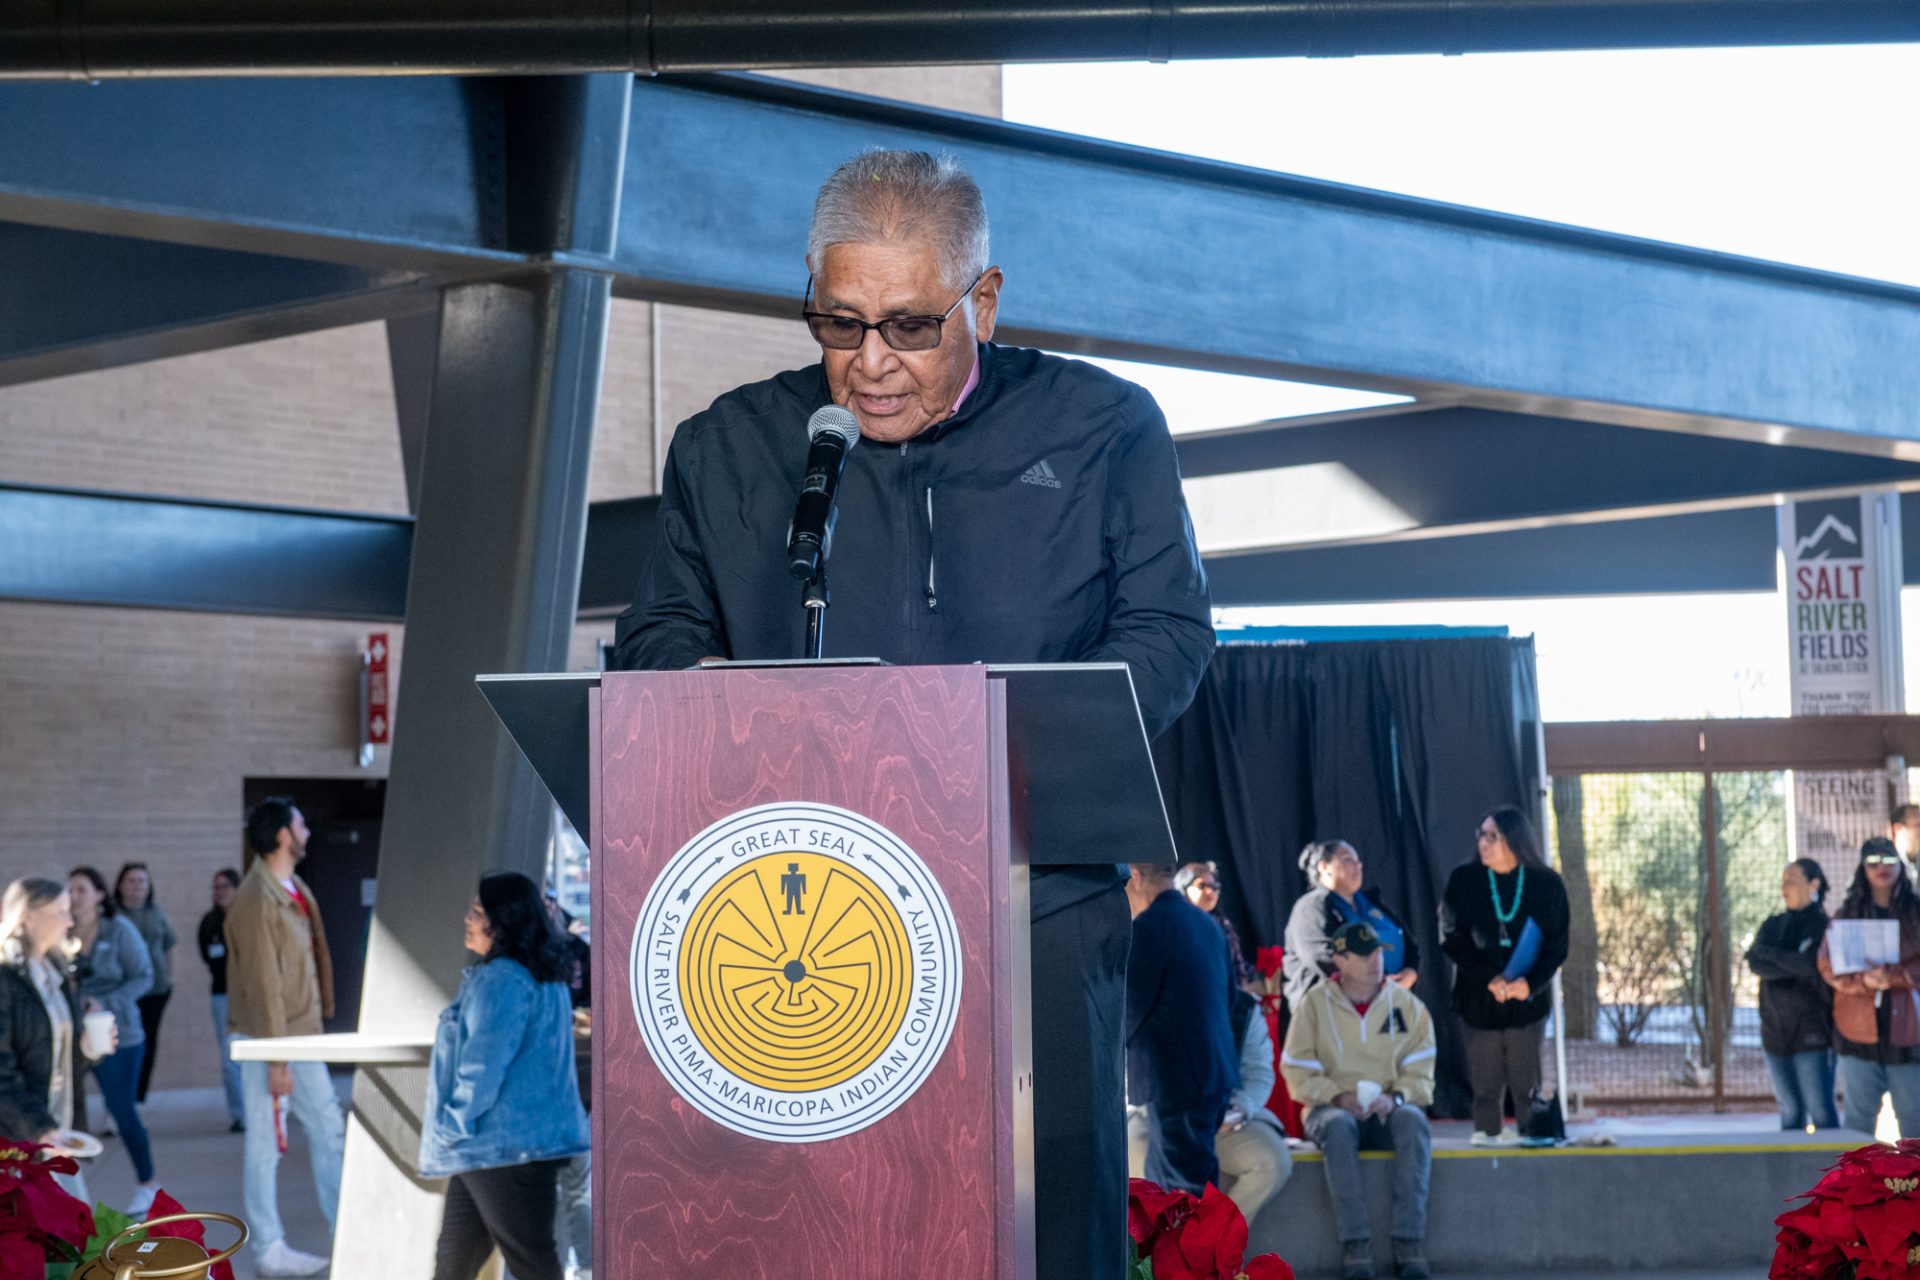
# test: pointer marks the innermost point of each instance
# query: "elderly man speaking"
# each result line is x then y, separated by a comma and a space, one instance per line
1003, 506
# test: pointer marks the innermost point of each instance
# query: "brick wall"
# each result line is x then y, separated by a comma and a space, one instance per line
126, 734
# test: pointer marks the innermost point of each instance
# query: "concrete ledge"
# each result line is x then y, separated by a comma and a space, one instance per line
1673, 1201
346, 1047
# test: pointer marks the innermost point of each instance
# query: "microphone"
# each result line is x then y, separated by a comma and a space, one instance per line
833, 432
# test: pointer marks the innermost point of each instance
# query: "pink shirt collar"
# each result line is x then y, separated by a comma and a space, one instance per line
973, 380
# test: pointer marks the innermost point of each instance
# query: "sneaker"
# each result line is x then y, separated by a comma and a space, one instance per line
1410, 1259
238, 1126
1356, 1262
1509, 1137
142, 1200
1480, 1139
282, 1259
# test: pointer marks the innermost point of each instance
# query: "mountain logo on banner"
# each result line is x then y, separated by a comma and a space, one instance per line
796, 972
1827, 530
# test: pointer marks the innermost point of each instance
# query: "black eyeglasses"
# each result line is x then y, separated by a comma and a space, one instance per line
902, 333
1207, 886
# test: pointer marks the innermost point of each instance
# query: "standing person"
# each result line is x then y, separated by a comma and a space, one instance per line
1181, 1063
1335, 872
576, 1178
42, 1050
1019, 458
1903, 828
1199, 883
1485, 915
502, 1114
1796, 1004
1876, 1023
133, 894
280, 983
1359, 1056
115, 970
213, 952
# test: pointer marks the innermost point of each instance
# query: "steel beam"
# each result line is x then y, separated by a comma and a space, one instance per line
76, 301
106, 38
1716, 551
1109, 249
128, 551
1120, 251
376, 172
1684, 746
1454, 470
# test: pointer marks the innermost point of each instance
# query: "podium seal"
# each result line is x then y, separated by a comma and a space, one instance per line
796, 972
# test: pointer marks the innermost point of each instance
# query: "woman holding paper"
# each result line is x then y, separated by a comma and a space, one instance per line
1503, 923
1796, 1005
1871, 959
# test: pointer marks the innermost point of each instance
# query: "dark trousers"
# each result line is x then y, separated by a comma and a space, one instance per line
1180, 1151
511, 1207
1079, 1101
1501, 1063
151, 1008
117, 1074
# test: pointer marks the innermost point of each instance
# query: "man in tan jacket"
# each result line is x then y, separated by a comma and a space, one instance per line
1360, 1056
280, 983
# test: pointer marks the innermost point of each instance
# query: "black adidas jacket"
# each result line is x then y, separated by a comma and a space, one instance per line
1044, 522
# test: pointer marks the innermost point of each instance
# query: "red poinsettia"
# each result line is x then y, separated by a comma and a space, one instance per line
1864, 1213
164, 1206
29, 1195
1268, 960
1189, 1239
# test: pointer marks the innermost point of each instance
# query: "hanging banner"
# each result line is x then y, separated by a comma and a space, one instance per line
1843, 573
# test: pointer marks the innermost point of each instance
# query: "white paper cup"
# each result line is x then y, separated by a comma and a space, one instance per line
1366, 1093
99, 1033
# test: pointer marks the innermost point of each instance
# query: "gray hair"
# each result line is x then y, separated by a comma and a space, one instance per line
884, 195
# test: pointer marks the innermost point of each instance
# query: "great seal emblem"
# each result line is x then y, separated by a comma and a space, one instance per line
796, 972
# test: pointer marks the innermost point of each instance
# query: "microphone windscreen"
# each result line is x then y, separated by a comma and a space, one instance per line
832, 418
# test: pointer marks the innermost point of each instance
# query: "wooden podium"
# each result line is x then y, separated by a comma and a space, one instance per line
811, 1047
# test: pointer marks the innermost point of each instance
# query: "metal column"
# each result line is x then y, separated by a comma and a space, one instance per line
498, 541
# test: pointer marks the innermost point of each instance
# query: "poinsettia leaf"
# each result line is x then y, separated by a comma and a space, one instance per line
107, 1223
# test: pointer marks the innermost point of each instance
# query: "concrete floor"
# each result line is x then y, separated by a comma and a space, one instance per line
198, 1163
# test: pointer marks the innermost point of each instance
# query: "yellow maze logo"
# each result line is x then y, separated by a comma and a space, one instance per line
795, 971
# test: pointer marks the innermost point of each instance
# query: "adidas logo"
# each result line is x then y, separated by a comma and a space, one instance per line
1041, 474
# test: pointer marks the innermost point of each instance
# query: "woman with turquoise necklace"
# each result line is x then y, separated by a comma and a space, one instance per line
1503, 923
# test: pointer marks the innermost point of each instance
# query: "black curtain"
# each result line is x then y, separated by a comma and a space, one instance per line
1396, 746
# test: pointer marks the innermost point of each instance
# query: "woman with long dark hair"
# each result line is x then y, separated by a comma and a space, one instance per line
503, 1109
1876, 1014
1503, 923
115, 970
1796, 1004
1334, 897
133, 894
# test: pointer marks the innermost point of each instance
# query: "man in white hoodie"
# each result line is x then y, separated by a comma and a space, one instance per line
1360, 1056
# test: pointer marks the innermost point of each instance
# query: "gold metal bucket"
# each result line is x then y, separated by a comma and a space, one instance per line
162, 1258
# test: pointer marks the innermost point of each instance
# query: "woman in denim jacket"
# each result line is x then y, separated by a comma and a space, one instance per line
503, 1109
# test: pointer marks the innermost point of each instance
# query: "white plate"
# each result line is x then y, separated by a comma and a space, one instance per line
78, 1144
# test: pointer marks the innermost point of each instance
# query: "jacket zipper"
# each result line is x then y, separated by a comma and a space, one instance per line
933, 600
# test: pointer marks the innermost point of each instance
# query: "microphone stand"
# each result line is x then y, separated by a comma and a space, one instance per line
815, 599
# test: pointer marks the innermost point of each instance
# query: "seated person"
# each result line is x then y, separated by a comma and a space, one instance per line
1252, 1147
1334, 896
1360, 1057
